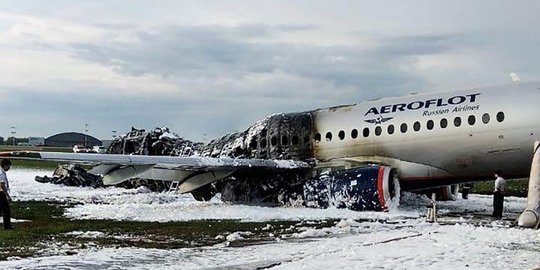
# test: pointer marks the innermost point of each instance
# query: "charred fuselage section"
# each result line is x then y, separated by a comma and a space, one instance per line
280, 136
157, 142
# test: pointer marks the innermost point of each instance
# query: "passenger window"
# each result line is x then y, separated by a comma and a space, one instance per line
354, 133
295, 140
341, 135
391, 129
365, 132
273, 141
444, 123
378, 131
500, 116
416, 126
253, 143
284, 140
403, 128
328, 136
430, 125
485, 118
317, 137
263, 143
471, 120
457, 121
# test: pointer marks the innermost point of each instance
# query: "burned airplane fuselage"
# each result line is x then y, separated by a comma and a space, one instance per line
280, 136
291, 136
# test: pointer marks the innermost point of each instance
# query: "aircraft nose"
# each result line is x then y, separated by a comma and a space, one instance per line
528, 219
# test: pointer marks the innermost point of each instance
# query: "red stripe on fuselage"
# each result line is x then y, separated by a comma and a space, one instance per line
428, 178
380, 189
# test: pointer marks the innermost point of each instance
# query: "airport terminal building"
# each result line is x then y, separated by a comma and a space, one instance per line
70, 139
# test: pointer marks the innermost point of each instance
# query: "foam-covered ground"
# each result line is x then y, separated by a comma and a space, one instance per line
403, 241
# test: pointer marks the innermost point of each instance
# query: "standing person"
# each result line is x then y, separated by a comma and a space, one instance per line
5, 199
498, 195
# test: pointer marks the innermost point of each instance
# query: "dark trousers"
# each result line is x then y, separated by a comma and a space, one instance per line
498, 200
6, 211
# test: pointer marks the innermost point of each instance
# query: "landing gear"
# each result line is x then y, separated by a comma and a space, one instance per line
204, 193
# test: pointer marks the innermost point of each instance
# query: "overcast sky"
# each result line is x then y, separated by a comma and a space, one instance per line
211, 67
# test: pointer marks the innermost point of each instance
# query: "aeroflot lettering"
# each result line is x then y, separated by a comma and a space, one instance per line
416, 105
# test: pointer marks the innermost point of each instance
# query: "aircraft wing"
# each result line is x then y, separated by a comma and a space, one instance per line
191, 172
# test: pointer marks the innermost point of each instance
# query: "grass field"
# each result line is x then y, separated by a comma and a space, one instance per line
47, 227
514, 187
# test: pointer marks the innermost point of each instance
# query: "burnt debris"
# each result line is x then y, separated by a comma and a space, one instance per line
76, 175
280, 136
158, 142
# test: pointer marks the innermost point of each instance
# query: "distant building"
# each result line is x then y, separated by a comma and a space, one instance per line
70, 139
34, 141
1, 140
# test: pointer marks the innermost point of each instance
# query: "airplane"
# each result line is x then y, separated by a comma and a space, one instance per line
357, 156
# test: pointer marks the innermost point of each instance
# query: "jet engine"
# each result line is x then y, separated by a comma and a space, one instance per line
370, 188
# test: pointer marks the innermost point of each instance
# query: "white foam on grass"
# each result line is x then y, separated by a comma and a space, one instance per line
403, 241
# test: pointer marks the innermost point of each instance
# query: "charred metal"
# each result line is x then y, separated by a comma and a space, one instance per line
75, 175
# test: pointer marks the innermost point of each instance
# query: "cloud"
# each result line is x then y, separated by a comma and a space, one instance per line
210, 53
212, 67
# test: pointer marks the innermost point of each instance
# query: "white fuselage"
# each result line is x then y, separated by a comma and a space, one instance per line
497, 130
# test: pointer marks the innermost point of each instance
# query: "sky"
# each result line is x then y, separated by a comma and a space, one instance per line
206, 68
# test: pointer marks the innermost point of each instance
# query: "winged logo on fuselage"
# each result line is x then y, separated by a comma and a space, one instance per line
379, 120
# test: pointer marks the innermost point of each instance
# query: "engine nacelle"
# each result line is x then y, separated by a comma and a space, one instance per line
370, 188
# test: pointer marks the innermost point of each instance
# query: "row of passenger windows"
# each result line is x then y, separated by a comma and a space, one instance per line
430, 125
295, 140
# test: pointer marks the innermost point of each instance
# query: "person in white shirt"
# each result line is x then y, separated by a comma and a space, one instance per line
498, 195
5, 199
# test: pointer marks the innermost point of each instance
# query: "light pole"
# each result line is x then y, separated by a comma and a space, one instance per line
85, 132
13, 132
